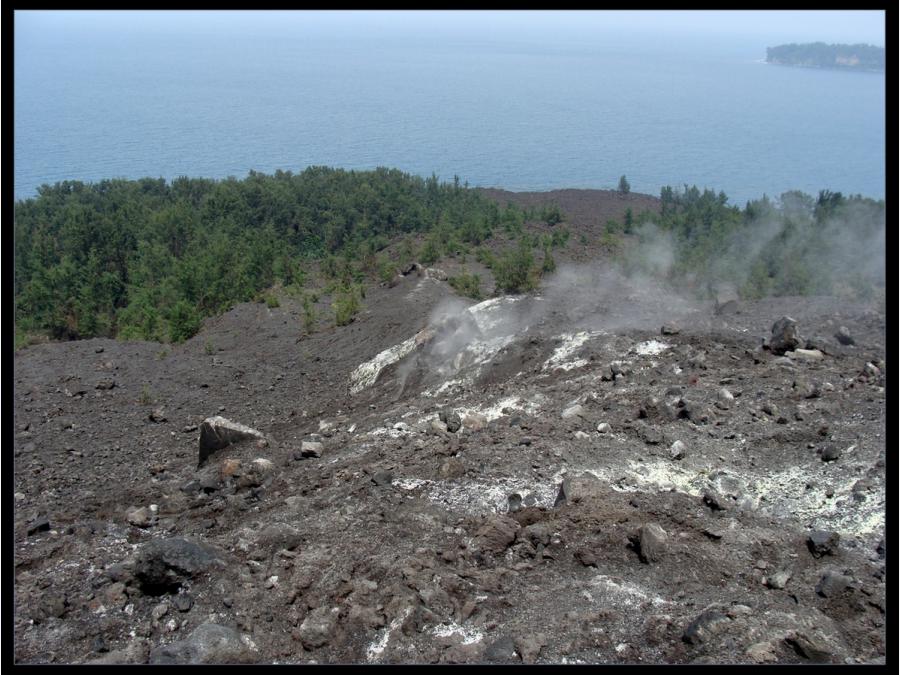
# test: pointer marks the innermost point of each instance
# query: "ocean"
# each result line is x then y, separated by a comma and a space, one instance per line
515, 113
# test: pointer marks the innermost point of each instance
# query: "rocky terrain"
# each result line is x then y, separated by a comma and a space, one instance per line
601, 472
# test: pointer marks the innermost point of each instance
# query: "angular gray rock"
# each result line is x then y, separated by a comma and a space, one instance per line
704, 627
575, 488
502, 650
785, 336
821, 543
843, 336
451, 419
311, 449
652, 542
573, 411
831, 452
832, 584
162, 565
317, 628
217, 433
210, 643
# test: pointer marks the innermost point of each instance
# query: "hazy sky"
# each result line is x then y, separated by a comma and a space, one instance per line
549, 26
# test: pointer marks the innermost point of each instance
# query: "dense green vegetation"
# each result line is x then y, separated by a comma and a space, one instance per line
821, 55
796, 245
149, 259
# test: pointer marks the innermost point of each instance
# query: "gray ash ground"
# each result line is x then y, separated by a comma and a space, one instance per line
694, 527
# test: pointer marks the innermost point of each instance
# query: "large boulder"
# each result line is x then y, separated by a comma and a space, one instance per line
162, 565
209, 643
217, 433
785, 336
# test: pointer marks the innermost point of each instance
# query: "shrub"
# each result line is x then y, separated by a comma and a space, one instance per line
346, 306
184, 321
514, 270
468, 285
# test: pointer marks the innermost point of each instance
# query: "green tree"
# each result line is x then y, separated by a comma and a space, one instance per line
624, 186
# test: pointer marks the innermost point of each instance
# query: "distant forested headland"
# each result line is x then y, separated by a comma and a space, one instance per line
821, 55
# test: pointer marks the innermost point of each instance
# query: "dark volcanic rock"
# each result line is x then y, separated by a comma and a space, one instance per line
163, 564
209, 643
785, 336
821, 543
831, 452
843, 336
451, 419
317, 628
809, 648
41, 524
496, 534
502, 650
383, 478
832, 584
704, 627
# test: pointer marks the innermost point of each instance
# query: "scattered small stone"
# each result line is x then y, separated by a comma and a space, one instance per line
580, 435
604, 428
105, 385
677, 450
669, 329
159, 611
157, 415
